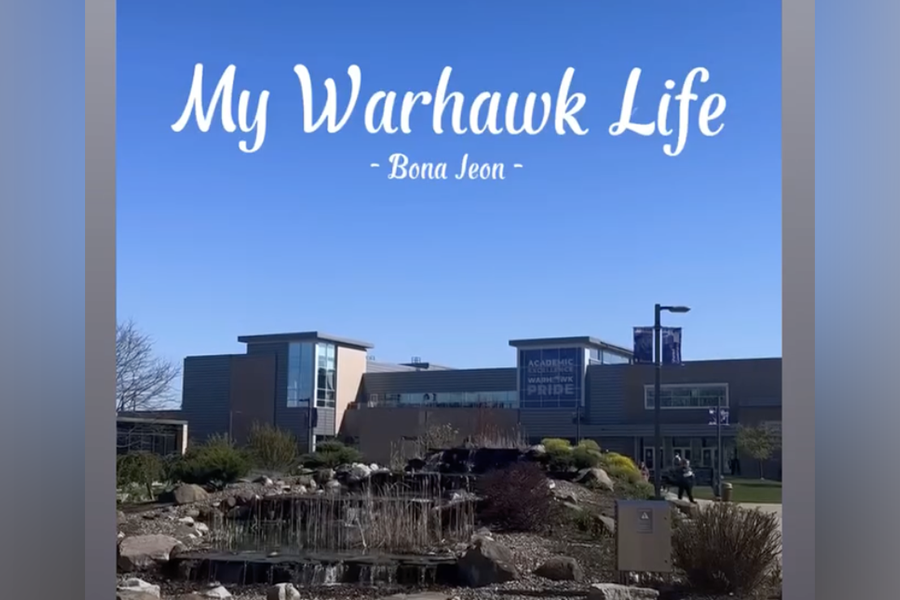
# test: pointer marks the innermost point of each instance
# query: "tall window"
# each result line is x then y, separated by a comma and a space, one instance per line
300, 374
681, 396
326, 363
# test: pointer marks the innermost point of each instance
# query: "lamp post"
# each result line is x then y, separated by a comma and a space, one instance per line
657, 405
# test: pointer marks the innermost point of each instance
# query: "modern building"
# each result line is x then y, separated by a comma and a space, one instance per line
161, 432
320, 386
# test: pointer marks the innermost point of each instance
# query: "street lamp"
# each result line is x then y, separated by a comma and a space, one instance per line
657, 405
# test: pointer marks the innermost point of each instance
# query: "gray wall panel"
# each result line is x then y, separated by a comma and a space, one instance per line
206, 395
605, 397
467, 380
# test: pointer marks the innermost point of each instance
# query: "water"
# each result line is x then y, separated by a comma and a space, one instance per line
319, 523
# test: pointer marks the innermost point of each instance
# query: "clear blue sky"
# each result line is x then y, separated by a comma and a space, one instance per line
304, 235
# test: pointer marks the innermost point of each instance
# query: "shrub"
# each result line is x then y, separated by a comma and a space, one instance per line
331, 454
272, 449
139, 468
517, 498
639, 490
727, 549
621, 468
556, 445
584, 457
216, 462
589, 445
559, 454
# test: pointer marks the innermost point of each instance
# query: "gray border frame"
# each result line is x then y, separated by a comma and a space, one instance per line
798, 156
100, 298
798, 160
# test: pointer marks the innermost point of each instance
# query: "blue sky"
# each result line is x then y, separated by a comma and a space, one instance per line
583, 240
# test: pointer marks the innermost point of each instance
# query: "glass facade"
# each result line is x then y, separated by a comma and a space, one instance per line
449, 399
675, 396
326, 366
300, 374
605, 357
610, 358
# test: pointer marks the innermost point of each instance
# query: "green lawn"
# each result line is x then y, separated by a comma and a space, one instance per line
759, 491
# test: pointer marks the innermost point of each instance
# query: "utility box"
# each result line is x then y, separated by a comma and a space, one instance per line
644, 536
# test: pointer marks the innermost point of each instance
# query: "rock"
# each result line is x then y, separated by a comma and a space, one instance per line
609, 524
536, 451
300, 489
283, 591
487, 562
614, 591
595, 476
120, 517
126, 595
358, 472
216, 592
244, 497
202, 528
137, 589
145, 551
263, 481
189, 493
560, 568
689, 510
323, 476
333, 486
186, 521
238, 513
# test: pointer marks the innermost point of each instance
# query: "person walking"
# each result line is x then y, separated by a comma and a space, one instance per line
686, 482
645, 472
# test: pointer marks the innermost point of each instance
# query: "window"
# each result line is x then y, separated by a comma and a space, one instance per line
157, 439
611, 358
326, 368
451, 399
681, 396
299, 374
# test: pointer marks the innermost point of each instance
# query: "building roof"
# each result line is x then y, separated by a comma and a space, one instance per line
585, 341
304, 336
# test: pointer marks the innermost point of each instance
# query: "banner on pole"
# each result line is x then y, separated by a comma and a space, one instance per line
671, 345
643, 345
724, 416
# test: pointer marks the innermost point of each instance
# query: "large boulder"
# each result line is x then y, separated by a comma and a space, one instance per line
189, 493
487, 562
357, 473
560, 568
283, 591
596, 477
137, 589
614, 591
323, 476
141, 552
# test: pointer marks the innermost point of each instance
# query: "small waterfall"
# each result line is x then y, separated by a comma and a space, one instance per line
318, 574
353, 523
372, 575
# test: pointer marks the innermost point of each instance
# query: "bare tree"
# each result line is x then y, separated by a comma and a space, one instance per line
143, 379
